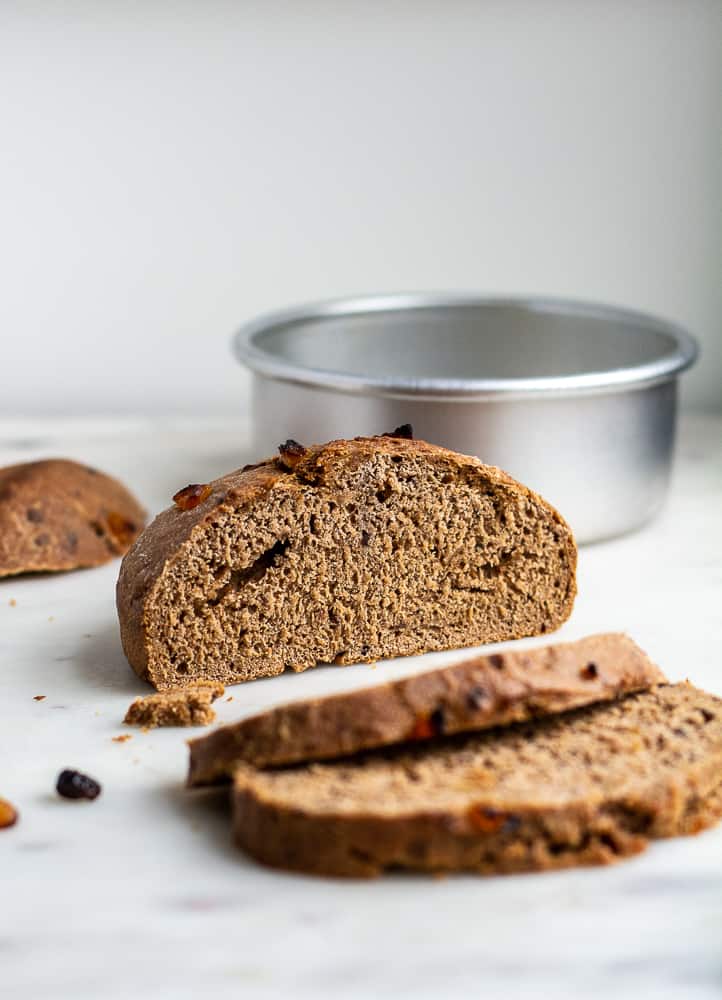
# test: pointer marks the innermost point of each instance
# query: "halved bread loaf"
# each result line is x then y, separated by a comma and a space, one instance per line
475, 694
344, 552
587, 787
56, 514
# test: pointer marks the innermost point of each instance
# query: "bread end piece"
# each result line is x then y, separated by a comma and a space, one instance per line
56, 514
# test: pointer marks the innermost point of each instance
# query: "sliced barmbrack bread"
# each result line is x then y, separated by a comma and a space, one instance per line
476, 693
339, 553
586, 787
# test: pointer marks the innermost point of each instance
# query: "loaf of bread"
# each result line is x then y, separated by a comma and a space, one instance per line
586, 787
59, 515
345, 552
476, 693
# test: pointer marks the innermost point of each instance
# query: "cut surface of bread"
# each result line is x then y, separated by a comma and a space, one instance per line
587, 787
474, 694
189, 706
340, 553
57, 514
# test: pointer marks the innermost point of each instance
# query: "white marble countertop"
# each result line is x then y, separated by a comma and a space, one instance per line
140, 894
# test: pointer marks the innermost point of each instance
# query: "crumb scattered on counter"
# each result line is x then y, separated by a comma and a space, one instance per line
51, 618
12, 602
190, 706
122, 738
229, 698
39, 697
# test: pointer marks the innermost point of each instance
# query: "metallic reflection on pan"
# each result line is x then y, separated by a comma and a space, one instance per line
577, 401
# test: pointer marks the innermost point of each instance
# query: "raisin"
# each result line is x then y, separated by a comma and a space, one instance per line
589, 672
122, 530
290, 454
191, 495
476, 697
421, 729
511, 824
488, 820
34, 515
403, 431
8, 814
497, 661
427, 726
75, 785
438, 721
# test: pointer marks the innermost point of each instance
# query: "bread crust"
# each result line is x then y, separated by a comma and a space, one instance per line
56, 514
476, 693
488, 831
173, 530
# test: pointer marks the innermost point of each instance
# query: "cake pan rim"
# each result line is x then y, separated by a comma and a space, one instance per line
247, 350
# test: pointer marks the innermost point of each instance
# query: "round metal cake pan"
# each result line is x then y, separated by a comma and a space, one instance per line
578, 401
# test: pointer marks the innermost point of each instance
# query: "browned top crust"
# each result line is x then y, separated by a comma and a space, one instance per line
325, 464
57, 514
474, 694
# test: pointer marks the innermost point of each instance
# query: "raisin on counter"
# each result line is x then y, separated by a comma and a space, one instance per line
75, 785
8, 814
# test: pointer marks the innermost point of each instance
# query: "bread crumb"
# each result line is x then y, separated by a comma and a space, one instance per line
38, 697
51, 618
190, 706
122, 738
229, 698
12, 602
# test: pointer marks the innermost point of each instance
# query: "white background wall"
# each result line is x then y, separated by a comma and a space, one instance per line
168, 169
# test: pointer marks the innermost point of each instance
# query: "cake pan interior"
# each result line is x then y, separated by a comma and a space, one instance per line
474, 345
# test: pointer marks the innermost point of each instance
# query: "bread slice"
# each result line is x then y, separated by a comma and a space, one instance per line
587, 787
57, 514
339, 553
474, 694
